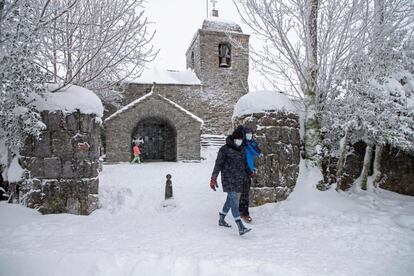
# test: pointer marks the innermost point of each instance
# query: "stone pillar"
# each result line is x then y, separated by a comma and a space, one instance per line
277, 135
63, 165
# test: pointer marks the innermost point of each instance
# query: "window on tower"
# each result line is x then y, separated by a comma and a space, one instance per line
224, 55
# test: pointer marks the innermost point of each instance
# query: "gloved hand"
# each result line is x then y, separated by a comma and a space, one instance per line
213, 183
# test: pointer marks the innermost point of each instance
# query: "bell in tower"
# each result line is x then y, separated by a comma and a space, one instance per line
224, 55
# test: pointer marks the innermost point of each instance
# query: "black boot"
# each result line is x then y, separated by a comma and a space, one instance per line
242, 229
222, 222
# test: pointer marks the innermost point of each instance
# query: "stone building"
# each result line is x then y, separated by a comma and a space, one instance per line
217, 76
169, 131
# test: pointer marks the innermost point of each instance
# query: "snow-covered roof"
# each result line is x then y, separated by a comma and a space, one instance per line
167, 77
219, 24
129, 106
70, 98
151, 94
263, 100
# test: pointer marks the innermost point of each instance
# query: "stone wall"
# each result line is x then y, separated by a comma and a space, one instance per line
222, 87
397, 169
119, 128
352, 167
63, 165
278, 137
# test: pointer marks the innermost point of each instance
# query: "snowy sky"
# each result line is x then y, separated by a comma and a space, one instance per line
176, 22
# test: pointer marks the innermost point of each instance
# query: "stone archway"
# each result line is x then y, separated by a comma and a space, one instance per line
159, 139
178, 128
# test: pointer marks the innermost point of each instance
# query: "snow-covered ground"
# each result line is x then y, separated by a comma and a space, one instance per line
313, 233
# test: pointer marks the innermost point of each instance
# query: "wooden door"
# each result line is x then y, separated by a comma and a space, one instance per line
153, 135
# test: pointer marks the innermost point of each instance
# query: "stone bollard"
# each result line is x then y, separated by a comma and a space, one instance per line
168, 188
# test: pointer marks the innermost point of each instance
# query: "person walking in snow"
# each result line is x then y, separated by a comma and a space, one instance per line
252, 151
231, 163
137, 153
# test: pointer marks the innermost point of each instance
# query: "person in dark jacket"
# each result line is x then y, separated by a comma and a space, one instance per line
252, 151
231, 162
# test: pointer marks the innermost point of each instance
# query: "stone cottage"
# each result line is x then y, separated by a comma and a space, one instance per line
216, 77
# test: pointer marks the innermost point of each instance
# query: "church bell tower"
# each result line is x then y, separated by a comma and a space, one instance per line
219, 55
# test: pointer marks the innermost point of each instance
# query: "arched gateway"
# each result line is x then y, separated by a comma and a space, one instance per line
169, 132
158, 138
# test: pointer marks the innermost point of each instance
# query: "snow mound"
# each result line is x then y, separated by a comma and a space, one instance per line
159, 76
70, 98
405, 221
306, 199
263, 100
219, 24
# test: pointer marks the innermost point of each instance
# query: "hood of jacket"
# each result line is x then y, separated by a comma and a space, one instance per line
230, 143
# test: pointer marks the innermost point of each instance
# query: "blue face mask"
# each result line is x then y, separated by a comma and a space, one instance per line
249, 136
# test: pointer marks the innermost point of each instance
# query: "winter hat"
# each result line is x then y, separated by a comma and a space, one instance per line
238, 133
248, 130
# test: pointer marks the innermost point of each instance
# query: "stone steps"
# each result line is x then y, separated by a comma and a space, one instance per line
216, 141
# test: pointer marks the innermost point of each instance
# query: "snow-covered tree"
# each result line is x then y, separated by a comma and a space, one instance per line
97, 44
20, 26
374, 98
308, 46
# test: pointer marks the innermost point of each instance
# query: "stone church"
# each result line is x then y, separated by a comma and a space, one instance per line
168, 110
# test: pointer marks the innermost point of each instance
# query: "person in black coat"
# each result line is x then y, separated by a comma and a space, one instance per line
231, 162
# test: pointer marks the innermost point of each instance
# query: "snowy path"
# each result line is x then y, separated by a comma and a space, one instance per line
358, 234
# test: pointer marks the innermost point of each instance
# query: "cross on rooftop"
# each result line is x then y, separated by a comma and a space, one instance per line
214, 2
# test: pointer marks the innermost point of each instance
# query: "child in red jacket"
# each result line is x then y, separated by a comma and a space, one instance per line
137, 153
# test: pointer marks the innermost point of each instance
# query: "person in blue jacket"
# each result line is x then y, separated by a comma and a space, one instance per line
252, 151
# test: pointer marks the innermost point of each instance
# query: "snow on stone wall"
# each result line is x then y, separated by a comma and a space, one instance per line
266, 100
68, 99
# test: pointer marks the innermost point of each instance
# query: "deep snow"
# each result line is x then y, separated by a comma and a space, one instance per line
313, 233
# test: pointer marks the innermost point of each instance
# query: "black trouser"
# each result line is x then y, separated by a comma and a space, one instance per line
244, 198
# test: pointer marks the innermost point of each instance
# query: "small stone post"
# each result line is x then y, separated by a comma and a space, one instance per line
168, 188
